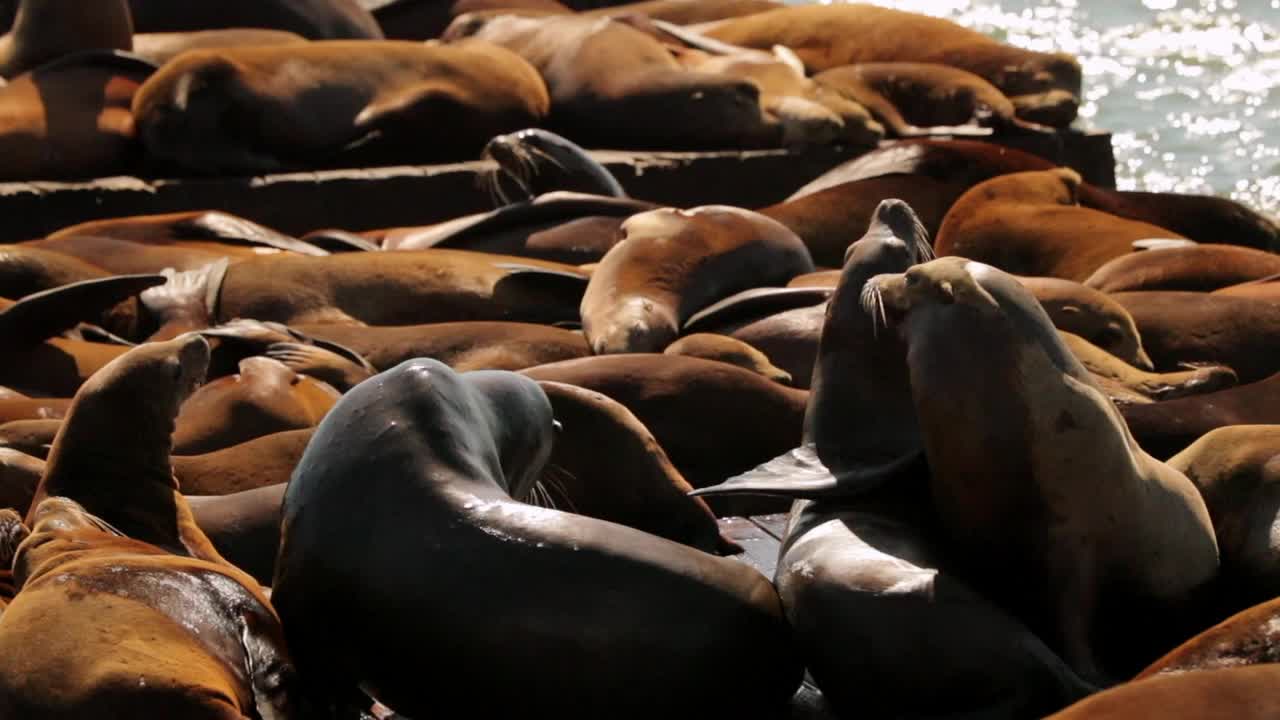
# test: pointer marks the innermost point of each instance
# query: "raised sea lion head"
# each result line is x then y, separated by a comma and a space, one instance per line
538, 161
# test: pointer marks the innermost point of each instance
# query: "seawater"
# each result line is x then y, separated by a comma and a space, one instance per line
1190, 88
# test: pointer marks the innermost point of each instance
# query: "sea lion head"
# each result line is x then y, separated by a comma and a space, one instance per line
532, 155
520, 417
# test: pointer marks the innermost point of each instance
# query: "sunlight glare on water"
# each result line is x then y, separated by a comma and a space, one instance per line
1190, 88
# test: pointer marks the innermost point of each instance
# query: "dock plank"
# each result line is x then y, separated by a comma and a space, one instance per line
775, 525
760, 549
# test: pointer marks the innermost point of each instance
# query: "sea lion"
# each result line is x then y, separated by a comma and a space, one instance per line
1196, 268
71, 118
45, 30
1267, 288
326, 361
672, 263
126, 257
312, 19
400, 288
829, 36
255, 463
265, 397
753, 304
33, 437
1237, 470
33, 409
722, 348
1246, 638
1109, 370
1047, 444
486, 436
12, 533
210, 230
712, 419
253, 109
913, 99
125, 608
244, 527
1031, 224
1189, 327
612, 85
1167, 428
473, 345
685, 12
789, 339
20, 475
538, 161
160, 48
1091, 314
1238, 693
427, 19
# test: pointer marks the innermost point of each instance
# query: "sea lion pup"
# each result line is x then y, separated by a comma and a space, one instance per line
1235, 693
1110, 370
71, 119
374, 95
913, 99
1237, 470
45, 30
1066, 493
125, 608
400, 288
1167, 428
1091, 314
1245, 638
1031, 224
722, 348
457, 452
265, 397
538, 161
1190, 327
1196, 268
474, 345
828, 36
671, 263
616, 86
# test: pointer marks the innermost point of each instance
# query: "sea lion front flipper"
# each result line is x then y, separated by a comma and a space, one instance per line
188, 298
801, 475
48, 313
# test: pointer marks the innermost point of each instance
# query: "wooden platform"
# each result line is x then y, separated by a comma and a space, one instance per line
366, 198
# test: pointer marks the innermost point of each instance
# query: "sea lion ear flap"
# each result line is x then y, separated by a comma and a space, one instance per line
798, 474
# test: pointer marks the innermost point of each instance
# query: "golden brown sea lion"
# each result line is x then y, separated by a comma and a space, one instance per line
1246, 638
12, 533
1092, 315
259, 109
828, 36
1065, 493
1238, 693
672, 263
1031, 224
1196, 268
125, 608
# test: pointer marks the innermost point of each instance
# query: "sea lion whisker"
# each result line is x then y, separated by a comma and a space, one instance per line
553, 475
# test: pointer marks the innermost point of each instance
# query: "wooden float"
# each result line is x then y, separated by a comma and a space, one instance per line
367, 198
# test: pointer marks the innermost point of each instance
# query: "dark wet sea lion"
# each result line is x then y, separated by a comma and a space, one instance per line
1237, 470
1123, 524
615, 86
1183, 327
265, 397
671, 263
474, 345
1198, 268
538, 161
1238, 693
486, 436
125, 608
828, 36
45, 30
722, 348
1031, 224
255, 109
71, 118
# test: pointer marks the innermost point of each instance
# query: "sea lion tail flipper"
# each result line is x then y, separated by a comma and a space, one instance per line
47, 313
190, 296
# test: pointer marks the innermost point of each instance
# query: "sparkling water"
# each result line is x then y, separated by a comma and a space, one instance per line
1190, 88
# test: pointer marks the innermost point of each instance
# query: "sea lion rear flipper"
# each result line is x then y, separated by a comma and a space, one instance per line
48, 313
381, 110
190, 295
227, 228
333, 241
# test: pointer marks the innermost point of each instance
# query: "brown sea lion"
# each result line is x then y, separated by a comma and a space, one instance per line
125, 607
45, 30
753, 304
71, 118
126, 257
474, 345
426, 19
1031, 224
1167, 428
1196, 268
672, 263
713, 419
312, 19
326, 361
1237, 470
25, 271
255, 463
12, 533
254, 109
685, 12
485, 437
1240, 693
33, 409
400, 288
828, 36
20, 475
789, 339
1246, 638
160, 48
244, 527
211, 230
265, 397
912, 99
616, 86
1267, 288
1109, 371
722, 348
1123, 524
1189, 327
1092, 315
538, 161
